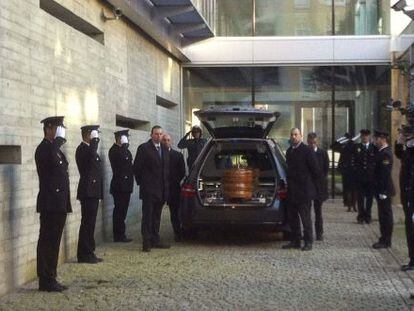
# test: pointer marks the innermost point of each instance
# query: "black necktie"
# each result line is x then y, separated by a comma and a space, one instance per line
159, 151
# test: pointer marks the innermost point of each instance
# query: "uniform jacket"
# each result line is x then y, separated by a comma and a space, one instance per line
52, 168
303, 174
365, 162
152, 172
122, 171
382, 172
401, 153
177, 173
90, 170
346, 164
193, 146
323, 162
407, 187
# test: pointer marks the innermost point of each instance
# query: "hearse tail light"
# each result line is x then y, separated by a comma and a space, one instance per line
188, 191
281, 191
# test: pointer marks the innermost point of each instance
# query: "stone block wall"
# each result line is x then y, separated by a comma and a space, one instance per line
49, 68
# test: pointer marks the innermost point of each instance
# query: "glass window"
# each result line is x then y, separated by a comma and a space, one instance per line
292, 18
302, 94
362, 17
234, 18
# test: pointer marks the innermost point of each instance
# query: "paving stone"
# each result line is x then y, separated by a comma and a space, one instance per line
239, 269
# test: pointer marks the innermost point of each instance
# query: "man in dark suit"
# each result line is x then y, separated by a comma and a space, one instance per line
323, 162
384, 189
53, 201
122, 183
193, 145
177, 173
303, 175
90, 191
364, 167
151, 169
404, 150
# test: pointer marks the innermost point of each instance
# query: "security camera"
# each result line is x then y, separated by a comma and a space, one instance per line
117, 13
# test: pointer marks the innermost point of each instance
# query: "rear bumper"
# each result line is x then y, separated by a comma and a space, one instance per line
193, 215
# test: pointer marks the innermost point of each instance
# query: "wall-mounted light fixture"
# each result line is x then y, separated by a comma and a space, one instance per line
116, 14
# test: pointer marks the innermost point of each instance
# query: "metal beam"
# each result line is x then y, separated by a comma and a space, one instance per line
161, 12
186, 27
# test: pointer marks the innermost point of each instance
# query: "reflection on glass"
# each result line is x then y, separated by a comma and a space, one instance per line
303, 96
301, 17
293, 18
362, 17
234, 18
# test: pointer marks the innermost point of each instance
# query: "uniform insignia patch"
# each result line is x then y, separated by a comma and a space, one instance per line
386, 162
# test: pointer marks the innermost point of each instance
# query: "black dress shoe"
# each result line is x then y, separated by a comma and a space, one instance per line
63, 287
54, 287
292, 245
161, 246
307, 247
368, 221
360, 222
319, 237
380, 245
408, 267
89, 260
123, 240
98, 259
178, 237
146, 248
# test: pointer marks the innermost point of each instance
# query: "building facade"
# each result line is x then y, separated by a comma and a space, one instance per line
324, 64
62, 58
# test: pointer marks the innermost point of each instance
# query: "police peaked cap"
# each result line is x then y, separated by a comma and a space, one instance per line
365, 132
89, 128
121, 133
53, 121
381, 134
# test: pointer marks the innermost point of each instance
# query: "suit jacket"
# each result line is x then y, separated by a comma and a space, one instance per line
52, 168
303, 175
152, 172
122, 172
90, 170
365, 162
382, 172
177, 173
322, 158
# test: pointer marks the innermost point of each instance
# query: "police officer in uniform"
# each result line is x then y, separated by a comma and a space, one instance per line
53, 201
90, 191
346, 166
122, 183
303, 178
365, 165
193, 145
404, 150
384, 189
323, 162
151, 170
177, 173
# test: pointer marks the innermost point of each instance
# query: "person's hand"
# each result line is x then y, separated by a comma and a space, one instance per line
60, 132
410, 143
401, 139
94, 134
382, 196
124, 140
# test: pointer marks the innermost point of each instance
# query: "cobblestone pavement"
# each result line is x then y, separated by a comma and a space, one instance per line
241, 270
